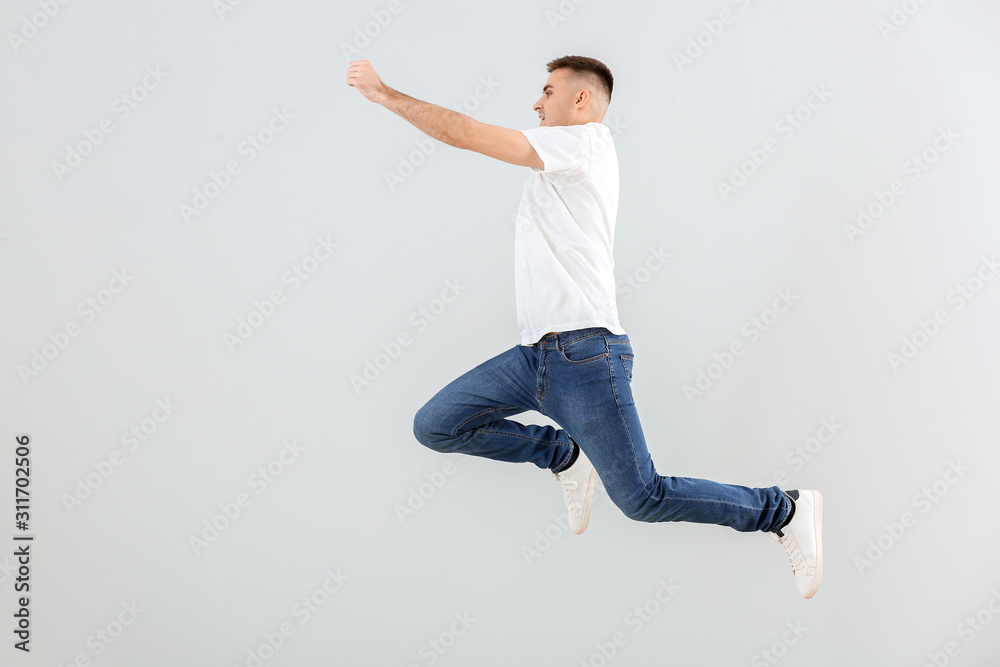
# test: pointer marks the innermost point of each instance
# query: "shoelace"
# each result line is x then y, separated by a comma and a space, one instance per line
568, 486
793, 552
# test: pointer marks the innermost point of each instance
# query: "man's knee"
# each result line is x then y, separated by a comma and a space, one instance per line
426, 429
632, 506
421, 426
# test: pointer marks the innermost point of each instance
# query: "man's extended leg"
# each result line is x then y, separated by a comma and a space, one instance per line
589, 393
468, 415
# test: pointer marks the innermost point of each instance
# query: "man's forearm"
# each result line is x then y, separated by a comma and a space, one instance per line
433, 120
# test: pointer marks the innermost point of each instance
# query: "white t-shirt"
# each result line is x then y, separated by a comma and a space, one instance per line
564, 238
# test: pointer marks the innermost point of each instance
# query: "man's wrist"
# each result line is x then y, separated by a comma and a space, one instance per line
385, 96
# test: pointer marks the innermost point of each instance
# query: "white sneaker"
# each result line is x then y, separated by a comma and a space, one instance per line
802, 539
578, 483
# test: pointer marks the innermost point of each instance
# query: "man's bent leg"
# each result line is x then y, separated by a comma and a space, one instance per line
468, 415
591, 397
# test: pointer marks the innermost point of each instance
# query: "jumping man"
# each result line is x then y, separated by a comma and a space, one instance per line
574, 362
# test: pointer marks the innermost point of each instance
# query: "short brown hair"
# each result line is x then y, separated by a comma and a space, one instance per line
584, 66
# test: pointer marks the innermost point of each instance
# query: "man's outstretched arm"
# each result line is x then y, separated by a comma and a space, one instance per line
451, 127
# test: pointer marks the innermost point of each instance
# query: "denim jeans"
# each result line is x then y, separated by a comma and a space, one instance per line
582, 380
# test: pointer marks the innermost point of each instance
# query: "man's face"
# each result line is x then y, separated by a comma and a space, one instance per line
555, 106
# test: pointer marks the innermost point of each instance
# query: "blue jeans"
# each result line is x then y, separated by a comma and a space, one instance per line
582, 380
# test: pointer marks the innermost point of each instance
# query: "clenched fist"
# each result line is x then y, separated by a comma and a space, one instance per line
361, 75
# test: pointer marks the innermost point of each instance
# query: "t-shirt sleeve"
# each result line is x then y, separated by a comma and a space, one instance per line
564, 150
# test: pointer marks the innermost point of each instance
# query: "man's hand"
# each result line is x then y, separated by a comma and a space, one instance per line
361, 75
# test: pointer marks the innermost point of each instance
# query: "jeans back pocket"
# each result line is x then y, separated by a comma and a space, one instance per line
627, 360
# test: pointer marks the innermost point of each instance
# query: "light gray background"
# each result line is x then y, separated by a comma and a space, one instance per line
334, 507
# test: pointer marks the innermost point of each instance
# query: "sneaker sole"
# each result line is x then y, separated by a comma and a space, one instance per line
818, 516
591, 483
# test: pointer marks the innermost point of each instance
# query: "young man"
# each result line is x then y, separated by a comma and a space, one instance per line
574, 363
